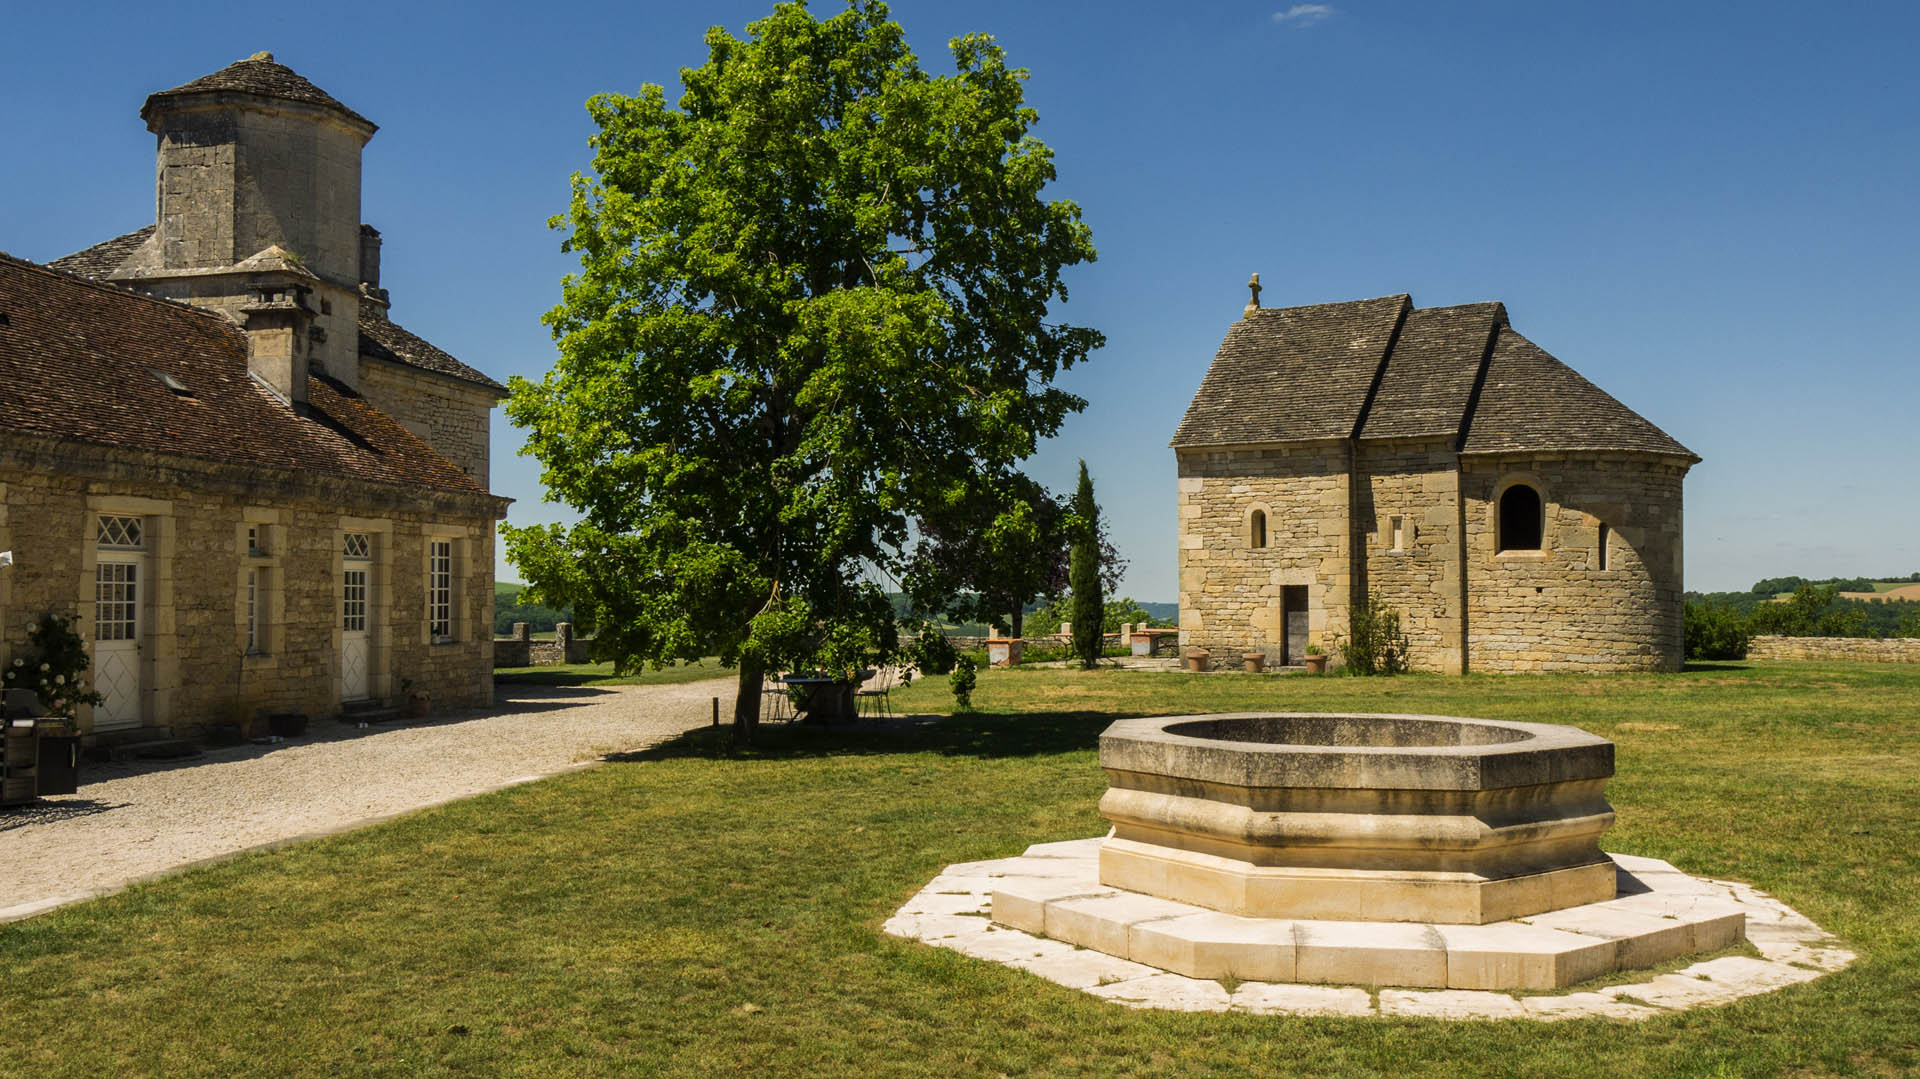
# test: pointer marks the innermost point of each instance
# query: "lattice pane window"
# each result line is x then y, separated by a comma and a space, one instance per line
116, 609
119, 531
440, 590
253, 610
353, 601
358, 546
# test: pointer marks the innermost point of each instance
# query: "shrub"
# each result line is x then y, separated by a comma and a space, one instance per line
933, 653
962, 679
54, 671
1378, 644
1715, 631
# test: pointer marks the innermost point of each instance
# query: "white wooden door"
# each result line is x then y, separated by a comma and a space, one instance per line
353, 636
117, 619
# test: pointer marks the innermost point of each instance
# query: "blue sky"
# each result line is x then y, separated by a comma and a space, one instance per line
1708, 210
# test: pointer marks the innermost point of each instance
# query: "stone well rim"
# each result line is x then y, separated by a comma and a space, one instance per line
1543, 753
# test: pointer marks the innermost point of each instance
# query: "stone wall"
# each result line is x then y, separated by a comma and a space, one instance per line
194, 667
1230, 591
1417, 572
446, 414
521, 650
1847, 649
1556, 609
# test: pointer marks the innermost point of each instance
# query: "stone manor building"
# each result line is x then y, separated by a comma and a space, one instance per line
1518, 517
259, 492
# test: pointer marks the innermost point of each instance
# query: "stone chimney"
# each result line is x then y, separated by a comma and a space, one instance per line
370, 256
278, 325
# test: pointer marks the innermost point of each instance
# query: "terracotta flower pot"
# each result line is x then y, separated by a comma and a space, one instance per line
1199, 661
1255, 661
1316, 664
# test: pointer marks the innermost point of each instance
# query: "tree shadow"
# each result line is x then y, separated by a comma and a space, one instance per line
1696, 666
984, 735
46, 811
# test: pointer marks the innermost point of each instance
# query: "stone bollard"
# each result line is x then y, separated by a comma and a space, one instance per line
522, 632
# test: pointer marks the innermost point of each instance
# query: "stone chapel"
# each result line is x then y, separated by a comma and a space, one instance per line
1518, 517
259, 492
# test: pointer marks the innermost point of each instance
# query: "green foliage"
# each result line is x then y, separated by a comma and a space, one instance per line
1114, 613
1088, 611
812, 307
508, 609
962, 680
933, 653
1377, 644
1811, 612
1715, 631
54, 667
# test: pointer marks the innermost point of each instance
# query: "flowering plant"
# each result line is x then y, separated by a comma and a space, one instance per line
57, 672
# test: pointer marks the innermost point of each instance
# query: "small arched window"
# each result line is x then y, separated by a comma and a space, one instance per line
1521, 519
1257, 529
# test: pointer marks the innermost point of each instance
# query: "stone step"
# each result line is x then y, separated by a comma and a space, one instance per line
161, 749
377, 714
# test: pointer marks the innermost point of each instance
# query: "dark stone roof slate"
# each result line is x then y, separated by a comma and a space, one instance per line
1428, 384
103, 258
1382, 368
1531, 401
1285, 374
65, 339
383, 339
258, 75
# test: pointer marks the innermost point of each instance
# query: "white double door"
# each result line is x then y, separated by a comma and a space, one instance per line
119, 617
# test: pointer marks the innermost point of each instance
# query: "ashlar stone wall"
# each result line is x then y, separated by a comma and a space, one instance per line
1230, 590
1558, 609
1844, 649
195, 667
448, 415
1416, 568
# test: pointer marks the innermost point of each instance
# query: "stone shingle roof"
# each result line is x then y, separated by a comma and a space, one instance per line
1382, 368
383, 339
65, 342
260, 76
1531, 401
103, 258
1291, 373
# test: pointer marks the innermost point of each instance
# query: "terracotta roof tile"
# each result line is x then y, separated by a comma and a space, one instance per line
82, 360
384, 339
259, 75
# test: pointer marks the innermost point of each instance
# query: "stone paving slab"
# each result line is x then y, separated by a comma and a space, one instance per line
1155, 953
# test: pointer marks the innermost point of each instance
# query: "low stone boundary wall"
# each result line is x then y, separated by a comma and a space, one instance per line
521, 650
1853, 649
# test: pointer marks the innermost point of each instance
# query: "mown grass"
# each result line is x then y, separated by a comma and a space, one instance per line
697, 911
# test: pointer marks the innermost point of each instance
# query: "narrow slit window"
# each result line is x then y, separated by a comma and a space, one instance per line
1397, 532
1257, 529
1605, 535
253, 611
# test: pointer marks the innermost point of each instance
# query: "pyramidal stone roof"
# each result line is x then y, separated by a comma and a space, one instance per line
1382, 368
261, 76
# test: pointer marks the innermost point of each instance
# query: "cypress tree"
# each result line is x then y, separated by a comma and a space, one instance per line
1084, 574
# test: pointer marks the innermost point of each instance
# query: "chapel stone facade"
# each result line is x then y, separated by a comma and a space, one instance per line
1518, 518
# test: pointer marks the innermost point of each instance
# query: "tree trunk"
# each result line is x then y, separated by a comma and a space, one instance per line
1017, 620
746, 701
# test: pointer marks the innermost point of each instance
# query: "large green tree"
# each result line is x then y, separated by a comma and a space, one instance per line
812, 304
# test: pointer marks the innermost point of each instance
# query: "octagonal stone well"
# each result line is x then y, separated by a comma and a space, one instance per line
1393, 818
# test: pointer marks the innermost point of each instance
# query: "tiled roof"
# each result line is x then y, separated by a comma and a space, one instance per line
384, 339
81, 361
1291, 373
1385, 369
260, 75
103, 258
1531, 401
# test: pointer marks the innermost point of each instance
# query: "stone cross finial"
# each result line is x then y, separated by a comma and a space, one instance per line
1253, 286
261, 56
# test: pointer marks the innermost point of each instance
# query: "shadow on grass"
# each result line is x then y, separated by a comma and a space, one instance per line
1695, 667
985, 735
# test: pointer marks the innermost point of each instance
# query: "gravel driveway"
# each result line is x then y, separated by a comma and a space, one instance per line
138, 819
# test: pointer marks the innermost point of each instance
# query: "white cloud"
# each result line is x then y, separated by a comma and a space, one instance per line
1303, 14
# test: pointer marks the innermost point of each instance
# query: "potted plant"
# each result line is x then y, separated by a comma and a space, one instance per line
1199, 659
1255, 661
419, 701
1316, 660
55, 672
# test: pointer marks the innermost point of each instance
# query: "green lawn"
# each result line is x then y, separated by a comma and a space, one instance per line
601, 674
695, 912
